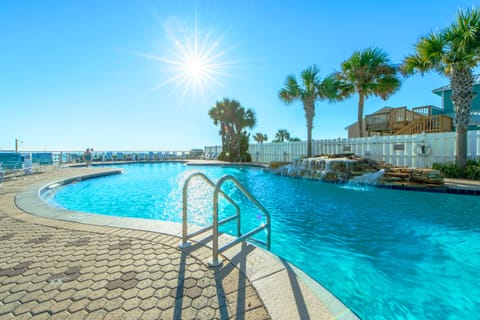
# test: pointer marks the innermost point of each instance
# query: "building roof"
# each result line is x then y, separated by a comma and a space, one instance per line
438, 91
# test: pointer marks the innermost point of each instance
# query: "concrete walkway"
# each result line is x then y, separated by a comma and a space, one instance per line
54, 269
462, 184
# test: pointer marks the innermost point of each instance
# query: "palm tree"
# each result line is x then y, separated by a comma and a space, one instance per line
311, 89
233, 120
260, 137
282, 135
367, 73
453, 52
218, 114
243, 119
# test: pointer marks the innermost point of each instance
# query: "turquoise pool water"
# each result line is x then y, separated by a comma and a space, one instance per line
386, 254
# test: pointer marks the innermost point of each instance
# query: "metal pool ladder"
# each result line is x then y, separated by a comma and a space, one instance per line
215, 261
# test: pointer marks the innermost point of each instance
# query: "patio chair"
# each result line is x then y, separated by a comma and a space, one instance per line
12, 167
107, 156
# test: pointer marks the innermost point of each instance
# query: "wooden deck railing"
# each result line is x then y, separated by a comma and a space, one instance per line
390, 121
378, 121
427, 124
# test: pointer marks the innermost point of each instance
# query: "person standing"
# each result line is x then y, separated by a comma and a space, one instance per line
88, 157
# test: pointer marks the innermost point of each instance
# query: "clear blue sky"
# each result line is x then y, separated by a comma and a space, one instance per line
117, 75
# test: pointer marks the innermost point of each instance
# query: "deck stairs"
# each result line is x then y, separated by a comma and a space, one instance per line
427, 124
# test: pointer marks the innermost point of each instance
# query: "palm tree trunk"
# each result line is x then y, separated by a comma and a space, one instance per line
361, 102
309, 140
309, 114
461, 149
222, 133
461, 82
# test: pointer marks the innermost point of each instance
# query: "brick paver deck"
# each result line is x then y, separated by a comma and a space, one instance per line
52, 269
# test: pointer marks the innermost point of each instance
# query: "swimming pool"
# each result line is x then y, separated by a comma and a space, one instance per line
386, 254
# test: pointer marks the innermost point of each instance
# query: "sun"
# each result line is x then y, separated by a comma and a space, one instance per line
195, 62
196, 67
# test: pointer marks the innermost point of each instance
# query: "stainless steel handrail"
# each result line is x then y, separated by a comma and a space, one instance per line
185, 235
215, 261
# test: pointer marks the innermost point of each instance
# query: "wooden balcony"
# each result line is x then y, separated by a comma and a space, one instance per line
402, 121
389, 121
378, 122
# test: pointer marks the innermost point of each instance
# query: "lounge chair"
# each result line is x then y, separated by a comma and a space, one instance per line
107, 156
12, 167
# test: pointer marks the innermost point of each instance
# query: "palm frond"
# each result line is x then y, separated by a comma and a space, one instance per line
291, 91
310, 80
364, 70
429, 55
464, 33
329, 88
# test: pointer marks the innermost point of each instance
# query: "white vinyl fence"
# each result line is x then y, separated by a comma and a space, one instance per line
417, 151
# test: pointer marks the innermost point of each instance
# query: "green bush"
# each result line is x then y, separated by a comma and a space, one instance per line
234, 157
473, 170
450, 170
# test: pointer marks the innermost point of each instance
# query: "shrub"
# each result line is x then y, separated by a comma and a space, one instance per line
450, 170
233, 157
473, 170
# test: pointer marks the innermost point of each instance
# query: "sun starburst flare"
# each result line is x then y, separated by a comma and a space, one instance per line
195, 64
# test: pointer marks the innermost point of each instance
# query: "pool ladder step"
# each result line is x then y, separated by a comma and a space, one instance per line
215, 260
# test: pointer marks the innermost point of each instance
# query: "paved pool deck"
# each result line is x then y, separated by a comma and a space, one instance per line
462, 184
59, 264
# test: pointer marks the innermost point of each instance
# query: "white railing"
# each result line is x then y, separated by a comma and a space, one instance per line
417, 151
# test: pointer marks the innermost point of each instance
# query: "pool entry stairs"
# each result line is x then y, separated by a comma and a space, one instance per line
215, 260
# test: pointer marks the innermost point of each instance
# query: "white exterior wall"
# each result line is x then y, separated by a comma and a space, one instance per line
441, 149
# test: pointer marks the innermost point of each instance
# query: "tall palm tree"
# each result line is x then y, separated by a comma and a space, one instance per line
243, 119
260, 137
308, 91
282, 135
220, 114
367, 73
234, 120
453, 52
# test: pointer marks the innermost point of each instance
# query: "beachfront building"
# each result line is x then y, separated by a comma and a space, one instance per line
445, 93
400, 121
429, 119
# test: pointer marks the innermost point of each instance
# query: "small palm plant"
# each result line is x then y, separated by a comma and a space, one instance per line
234, 120
282, 135
260, 137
